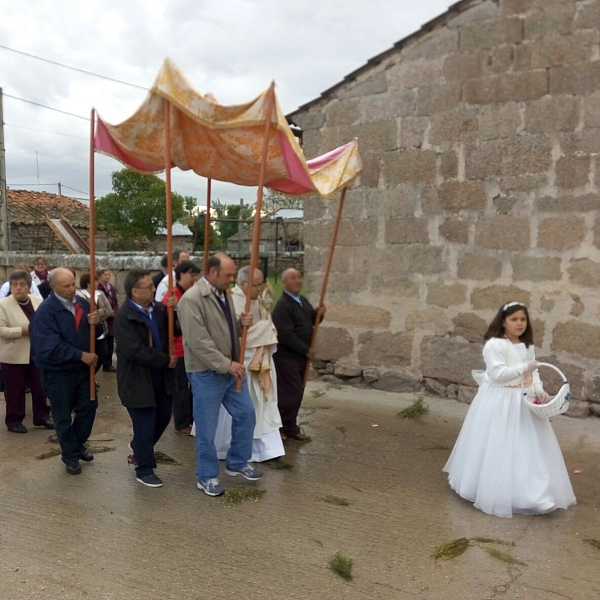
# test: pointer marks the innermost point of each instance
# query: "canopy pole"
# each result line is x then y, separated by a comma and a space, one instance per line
92, 245
207, 228
318, 318
169, 211
256, 226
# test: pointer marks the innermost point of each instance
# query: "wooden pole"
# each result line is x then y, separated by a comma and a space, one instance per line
207, 228
256, 227
92, 245
169, 210
336, 229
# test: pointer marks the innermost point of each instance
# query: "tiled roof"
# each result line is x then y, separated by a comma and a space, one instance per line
30, 208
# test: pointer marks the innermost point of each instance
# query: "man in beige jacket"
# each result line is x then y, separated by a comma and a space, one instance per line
211, 345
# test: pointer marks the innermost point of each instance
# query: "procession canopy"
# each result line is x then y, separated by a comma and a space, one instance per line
222, 142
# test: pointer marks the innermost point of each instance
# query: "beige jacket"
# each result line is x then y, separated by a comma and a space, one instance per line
206, 339
14, 346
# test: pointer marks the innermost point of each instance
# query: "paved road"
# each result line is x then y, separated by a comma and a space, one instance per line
101, 535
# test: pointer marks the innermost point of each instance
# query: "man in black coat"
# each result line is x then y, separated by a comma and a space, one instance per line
294, 318
145, 370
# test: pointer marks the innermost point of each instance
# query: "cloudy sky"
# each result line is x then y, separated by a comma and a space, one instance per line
232, 48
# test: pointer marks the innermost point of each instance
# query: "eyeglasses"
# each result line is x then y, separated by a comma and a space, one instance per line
145, 287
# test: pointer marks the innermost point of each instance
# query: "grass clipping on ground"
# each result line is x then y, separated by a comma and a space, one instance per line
239, 495
341, 565
415, 411
454, 548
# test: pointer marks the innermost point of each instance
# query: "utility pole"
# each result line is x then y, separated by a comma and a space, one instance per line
3, 212
240, 229
59, 189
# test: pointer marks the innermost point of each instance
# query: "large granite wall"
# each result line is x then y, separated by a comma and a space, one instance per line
481, 142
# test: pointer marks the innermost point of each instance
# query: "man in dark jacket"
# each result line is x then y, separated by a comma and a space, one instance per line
294, 318
60, 343
145, 370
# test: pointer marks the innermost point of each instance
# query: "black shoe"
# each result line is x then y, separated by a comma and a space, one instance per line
49, 424
73, 467
109, 369
20, 428
86, 455
150, 480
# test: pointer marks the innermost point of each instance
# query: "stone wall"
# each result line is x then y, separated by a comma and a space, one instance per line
481, 185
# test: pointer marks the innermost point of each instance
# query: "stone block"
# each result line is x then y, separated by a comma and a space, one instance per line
412, 131
479, 266
409, 165
553, 113
501, 60
495, 296
503, 232
313, 118
511, 157
565, 204
374, 84
487, 34
435, 386
438, 98
450, 359
595, 409
432, 319
341, 112
578, 409
465, 65
578, 307
457, 195
385, 349
512, 7
383, 107
449, 165
453, 126
369, 178
375, 136
357, 315
455, 230
524, 182
466, 394
584, 272
398, 285
452, 391
573, 171
333, 343
370, 374
446, 295
406, 231
587, 15
580, 142
508, 87
395, 382
581, 78
561, 233
591, 110
346, 370
396, 202
499, 121
593, 393
355, 232
554, 51
432, 44
470, 326
415, 74
556, 19
532, 268
578, 338
345, 282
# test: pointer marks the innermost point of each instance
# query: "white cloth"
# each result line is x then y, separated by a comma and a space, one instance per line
162, 288
267, 442
5, 289
506, 459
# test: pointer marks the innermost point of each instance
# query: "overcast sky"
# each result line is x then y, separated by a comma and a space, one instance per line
232, 48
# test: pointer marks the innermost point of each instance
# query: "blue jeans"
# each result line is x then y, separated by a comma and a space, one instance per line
68, 392
211, 389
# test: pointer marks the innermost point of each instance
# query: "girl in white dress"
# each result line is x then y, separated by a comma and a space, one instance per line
506, 459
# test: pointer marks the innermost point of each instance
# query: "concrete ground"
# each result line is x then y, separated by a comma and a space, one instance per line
100, 535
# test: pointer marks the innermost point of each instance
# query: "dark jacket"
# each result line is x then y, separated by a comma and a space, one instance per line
137, 361
55, 344
294, 325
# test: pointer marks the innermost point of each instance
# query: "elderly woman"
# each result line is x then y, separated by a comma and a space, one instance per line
18, 371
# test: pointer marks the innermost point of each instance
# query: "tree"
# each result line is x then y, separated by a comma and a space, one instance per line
273, 201
136, 207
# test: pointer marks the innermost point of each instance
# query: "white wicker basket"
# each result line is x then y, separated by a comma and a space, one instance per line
556, 405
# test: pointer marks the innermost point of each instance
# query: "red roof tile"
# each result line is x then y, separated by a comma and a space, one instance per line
30, 208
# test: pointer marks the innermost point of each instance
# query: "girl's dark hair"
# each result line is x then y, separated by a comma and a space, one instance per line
496, 328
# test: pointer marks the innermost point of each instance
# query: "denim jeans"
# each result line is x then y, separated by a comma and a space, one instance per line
211, 389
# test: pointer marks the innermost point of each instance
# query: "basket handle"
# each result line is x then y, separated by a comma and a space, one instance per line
544, 364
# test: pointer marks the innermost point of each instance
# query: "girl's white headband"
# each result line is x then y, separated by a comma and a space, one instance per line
509, 304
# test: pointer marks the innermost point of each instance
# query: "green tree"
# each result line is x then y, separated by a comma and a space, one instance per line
227, 228
136, 207
273, 201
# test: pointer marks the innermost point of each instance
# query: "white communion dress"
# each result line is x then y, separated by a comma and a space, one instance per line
506, 459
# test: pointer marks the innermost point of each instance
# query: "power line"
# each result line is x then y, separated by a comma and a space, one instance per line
77, 137
64, 112
53, 62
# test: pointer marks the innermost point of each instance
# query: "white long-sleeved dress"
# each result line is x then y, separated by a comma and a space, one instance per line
506, 459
